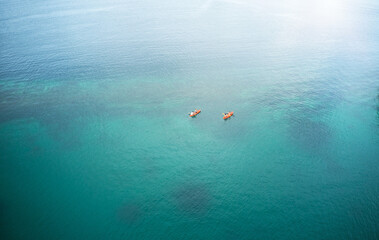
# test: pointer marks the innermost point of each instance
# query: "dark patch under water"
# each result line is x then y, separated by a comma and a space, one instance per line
192, 198
151, 168
130, 213
333, 167
310, 134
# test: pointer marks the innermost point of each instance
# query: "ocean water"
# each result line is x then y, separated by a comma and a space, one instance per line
96, 143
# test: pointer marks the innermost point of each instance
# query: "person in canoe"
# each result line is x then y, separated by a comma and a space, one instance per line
228, 115
194, 113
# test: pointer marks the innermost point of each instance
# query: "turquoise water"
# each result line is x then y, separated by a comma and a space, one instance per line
96, 143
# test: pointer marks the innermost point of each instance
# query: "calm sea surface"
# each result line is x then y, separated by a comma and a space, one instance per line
96, 143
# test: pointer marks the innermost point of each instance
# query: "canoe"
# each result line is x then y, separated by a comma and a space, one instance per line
195, 113
228, 115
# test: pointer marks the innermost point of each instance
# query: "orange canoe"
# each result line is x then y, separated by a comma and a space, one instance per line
228, 115
195, 113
